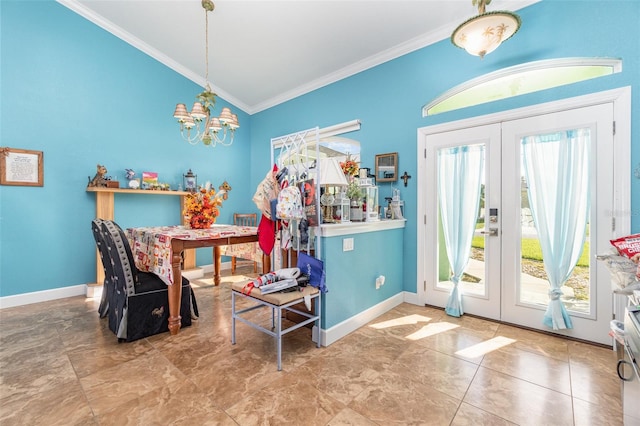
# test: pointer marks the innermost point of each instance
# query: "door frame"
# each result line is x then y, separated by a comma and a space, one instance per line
620, 215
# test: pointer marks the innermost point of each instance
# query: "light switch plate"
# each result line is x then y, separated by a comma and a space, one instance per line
347, 244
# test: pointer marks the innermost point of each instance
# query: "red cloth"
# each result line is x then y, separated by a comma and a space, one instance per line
266, 235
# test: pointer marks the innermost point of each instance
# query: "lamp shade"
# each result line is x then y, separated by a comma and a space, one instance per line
181, 112
234, 124
189, 123
331, 174
214, 124
482, 34
197, 112
225, 116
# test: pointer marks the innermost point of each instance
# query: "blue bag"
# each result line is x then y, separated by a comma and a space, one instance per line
314, 268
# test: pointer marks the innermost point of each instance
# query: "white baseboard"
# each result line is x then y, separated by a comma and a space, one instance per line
88, 290
193, 274
347, 326
412, 298
200, 271
94, 291
42, 296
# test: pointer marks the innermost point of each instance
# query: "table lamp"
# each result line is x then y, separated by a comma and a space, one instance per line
329, 174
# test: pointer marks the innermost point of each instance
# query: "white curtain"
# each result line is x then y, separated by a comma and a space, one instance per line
556, 168
459, 179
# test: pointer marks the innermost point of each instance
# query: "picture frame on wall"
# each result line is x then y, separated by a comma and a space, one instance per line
387, 167
23, 167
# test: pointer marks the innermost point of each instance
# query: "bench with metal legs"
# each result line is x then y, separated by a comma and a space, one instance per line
278, 302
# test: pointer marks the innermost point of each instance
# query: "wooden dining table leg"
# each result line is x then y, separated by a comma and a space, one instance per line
175, 290
266, 263
217, 254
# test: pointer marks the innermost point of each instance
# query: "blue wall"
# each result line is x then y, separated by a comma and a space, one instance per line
83, 97
351, 275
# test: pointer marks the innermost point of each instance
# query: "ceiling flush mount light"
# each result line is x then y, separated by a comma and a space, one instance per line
482, 34
198, 125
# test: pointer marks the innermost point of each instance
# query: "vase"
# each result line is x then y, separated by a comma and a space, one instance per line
198, 222
356, 211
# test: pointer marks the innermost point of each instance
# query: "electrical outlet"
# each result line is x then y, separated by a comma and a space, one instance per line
347, 244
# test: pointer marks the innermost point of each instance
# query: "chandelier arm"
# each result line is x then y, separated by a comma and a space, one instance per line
223, 141
192, 139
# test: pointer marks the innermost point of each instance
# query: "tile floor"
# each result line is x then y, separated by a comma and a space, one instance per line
60, 365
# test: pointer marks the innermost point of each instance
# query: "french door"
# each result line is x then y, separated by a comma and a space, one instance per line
543, 211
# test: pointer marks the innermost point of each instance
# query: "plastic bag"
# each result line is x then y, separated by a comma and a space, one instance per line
314, 269
623, 272
629, 247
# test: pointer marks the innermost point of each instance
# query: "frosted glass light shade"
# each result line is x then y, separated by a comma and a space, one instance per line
483, 34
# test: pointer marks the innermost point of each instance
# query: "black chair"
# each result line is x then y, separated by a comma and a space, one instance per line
137, 302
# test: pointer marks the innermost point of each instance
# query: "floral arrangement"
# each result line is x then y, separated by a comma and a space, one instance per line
350, 167
201, 208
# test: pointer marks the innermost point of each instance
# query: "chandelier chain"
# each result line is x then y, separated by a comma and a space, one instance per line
206, 48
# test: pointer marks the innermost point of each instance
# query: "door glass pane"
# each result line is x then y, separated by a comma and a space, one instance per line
473, 278
534, 284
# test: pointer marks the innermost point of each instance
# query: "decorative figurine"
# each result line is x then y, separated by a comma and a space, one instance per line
99, 179
131, 177
226, 188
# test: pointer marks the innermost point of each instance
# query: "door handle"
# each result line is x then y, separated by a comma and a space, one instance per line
492, 232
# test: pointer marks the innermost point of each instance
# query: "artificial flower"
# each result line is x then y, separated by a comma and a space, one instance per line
202, 208
350, 167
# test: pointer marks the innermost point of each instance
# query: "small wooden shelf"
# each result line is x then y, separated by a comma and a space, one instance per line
135, 191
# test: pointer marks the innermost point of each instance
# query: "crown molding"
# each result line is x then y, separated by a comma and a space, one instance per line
127, 37
357, 67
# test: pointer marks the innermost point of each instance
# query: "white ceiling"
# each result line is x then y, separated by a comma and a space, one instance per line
264, 52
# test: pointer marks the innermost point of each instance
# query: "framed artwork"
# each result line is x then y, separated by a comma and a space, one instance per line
21, 167
149, 180
387, 167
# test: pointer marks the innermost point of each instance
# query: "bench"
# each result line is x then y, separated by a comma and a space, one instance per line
278, 302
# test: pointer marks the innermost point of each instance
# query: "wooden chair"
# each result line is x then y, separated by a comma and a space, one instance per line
244, 219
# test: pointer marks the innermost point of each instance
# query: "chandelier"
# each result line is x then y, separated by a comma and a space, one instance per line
483, 34
198, 125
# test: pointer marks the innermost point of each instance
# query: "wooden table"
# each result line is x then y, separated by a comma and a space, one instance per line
155, 248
